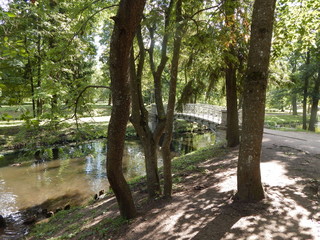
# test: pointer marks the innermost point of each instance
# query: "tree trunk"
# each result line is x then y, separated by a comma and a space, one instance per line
231, 79
294, 104
255, 85
232, 107
39, 100
29, 76
128, 18
139, 118
315, 103
166, 152
305, 93
151, 161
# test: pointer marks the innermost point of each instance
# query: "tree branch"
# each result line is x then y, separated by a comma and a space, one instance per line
79, 96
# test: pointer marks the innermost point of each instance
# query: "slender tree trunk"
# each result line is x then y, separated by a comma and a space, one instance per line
294, 104
232, 107
255, 85
30, 77
139, 118
305, 93
151, 161
315, 104
231, 79
166, 152
126, 22
39, 100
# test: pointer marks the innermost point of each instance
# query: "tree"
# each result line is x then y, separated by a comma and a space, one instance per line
231, 77
46, 55
126, 22
150, 137
255, 85
305, 90
166, 151
315, 103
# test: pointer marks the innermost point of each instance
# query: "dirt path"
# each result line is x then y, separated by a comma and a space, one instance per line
202, 208
305, 141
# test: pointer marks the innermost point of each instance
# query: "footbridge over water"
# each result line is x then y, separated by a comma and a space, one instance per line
211, 116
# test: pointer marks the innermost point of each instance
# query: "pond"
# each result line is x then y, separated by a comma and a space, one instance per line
79, 172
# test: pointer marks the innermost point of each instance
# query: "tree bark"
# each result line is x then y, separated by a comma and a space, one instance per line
166, 152
315, 104
255, 85
294, 104
232, 107
126, 22
305, 93
231, 79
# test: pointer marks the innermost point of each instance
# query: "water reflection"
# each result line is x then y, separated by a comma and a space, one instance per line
30, 184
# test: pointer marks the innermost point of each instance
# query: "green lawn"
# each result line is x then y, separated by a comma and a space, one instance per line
285, 121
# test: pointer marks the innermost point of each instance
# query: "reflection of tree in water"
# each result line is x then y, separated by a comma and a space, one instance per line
133, 160
95, 166
7, 200
188, 142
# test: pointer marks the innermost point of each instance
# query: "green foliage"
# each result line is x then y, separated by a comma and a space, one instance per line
45, 58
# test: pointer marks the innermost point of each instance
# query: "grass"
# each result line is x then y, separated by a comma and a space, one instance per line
282, 119
14, 112
285, 122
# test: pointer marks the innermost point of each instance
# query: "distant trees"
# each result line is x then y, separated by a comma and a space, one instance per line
296, 51
44, 57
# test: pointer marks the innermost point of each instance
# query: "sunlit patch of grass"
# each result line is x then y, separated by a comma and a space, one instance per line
285, 122
274, 120
189, 161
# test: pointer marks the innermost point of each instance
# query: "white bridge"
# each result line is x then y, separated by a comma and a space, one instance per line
209, 115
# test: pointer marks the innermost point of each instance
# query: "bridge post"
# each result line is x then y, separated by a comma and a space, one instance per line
223, 117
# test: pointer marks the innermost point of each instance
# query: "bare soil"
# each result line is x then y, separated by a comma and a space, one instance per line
203, 206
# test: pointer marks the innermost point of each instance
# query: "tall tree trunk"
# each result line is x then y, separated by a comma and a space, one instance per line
166, 152
255, 85
305, 93
231, 78
128, 18
315, 103
232, 107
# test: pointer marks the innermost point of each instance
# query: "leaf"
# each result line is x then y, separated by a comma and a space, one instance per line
10, 14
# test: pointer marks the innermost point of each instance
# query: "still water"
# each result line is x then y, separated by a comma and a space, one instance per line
78, 172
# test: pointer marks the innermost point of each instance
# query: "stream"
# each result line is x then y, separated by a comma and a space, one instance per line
76, 175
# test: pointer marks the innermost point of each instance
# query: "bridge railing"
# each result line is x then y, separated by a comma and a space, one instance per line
205, 111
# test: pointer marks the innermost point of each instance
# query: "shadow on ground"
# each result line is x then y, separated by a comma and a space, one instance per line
205, 210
